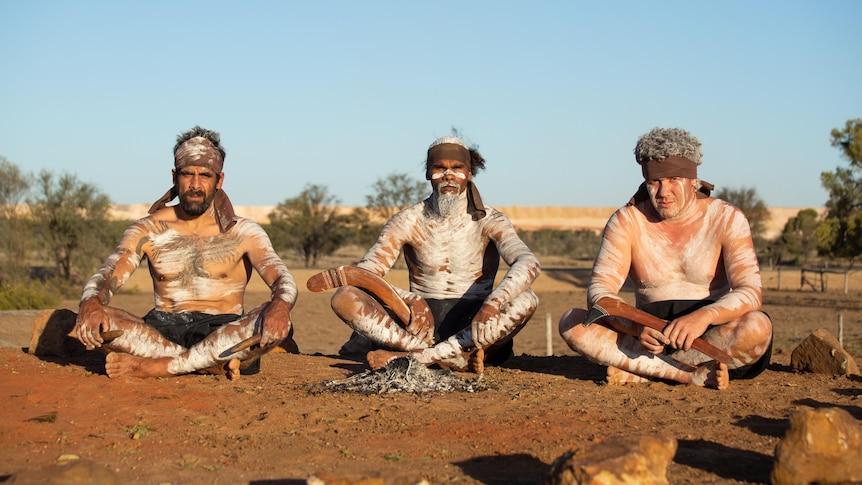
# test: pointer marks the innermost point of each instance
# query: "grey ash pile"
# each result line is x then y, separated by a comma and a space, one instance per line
405, 375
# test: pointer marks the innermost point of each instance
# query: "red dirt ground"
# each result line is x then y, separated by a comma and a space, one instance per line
280, 426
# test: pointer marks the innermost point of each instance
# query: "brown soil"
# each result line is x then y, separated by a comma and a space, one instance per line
280, 427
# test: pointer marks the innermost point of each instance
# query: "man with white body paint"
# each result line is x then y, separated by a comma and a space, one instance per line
452, 244
692, 262
200, 257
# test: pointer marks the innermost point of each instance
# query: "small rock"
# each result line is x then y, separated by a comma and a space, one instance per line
821, 446
822, 354
623, 460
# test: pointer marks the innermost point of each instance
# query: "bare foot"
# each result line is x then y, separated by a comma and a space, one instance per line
712, 374
377, 359
476, 361
227, 369
232, 369
472, 361
618, 376
118, 364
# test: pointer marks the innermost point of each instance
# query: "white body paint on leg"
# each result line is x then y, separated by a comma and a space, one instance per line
454, 351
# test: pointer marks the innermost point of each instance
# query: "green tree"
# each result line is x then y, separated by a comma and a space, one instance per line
309, 223
393, 193
755, 210
71, 219
798, 241
841, 233
361, 229
14, 225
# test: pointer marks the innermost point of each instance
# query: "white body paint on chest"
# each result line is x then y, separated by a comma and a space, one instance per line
447, 257
183, 265
702, 258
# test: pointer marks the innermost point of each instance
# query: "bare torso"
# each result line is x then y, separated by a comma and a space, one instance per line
197, 273
455, 257
700, 256
194, 268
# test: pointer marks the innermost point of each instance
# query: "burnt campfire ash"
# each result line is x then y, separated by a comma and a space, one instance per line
405, 375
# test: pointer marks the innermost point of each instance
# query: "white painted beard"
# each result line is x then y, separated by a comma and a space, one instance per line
447, 204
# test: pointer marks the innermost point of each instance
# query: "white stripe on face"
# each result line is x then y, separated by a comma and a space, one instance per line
439, 175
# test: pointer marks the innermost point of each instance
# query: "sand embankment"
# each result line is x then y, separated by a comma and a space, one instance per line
523, 217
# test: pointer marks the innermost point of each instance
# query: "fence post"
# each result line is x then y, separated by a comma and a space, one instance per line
841, 329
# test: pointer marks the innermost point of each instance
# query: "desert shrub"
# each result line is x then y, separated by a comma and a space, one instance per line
582, 244
31, 295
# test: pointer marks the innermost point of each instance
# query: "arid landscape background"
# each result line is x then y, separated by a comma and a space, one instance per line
524, 218
281, 426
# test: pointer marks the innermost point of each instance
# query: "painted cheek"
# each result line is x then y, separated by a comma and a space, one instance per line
439, 175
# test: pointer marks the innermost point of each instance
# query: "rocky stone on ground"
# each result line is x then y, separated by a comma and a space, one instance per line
616, 461
821, 446
67, 472
50, 335
821, 353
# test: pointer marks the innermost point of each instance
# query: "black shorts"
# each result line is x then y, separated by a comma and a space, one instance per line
453, 315
189, 328
671, 309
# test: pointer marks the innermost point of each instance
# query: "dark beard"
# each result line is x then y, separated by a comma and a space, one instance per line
195, 208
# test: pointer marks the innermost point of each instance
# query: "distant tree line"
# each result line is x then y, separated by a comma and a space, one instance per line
55, 230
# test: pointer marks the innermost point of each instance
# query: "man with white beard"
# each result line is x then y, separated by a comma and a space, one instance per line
452, 244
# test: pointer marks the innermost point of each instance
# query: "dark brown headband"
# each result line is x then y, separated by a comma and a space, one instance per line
672, 166
449, 151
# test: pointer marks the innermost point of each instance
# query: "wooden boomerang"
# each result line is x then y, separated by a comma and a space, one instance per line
106, 336
361, 278
249, 342
612, 307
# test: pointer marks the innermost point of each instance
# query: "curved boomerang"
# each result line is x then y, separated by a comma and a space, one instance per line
343, 276
361, 278
612, 307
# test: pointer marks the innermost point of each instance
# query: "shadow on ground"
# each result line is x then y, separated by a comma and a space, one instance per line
505, 469
725, 462
568, 366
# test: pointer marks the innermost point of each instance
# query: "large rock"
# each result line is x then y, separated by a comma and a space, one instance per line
623, 460
76, 472
822, 354
821, 446
50, 336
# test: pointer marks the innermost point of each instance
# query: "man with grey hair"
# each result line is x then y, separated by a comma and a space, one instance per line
200, 256
453, 315
691, 260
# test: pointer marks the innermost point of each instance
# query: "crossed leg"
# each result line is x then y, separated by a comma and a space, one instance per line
368, 317
141, 351
745, 339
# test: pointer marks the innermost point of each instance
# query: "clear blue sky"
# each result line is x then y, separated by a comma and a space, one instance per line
555, 94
